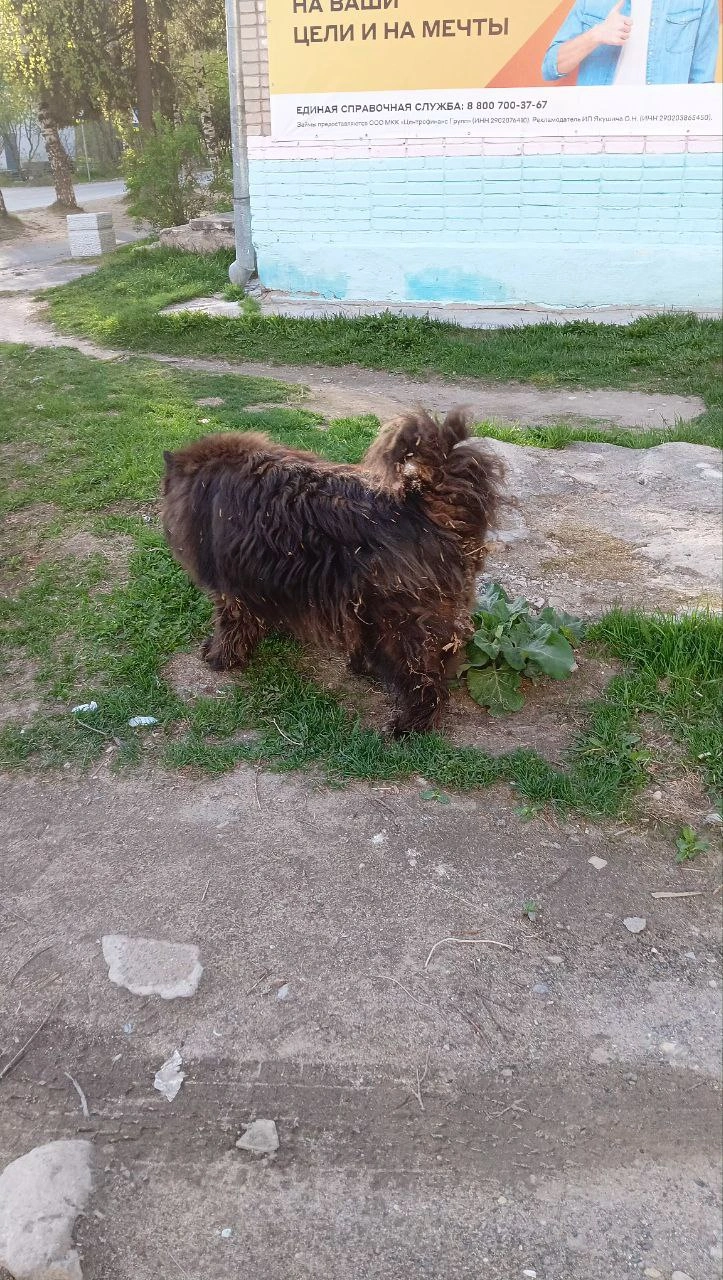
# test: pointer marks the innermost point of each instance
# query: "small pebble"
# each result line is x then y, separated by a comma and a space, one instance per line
283, 992
507, 1073
541, 989
680, 1275
530, 1273
555, 959
653, 1274
658, 795
597, 863
502, 1199
226, 1233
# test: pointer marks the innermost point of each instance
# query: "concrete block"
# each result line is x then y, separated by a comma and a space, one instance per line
90, 234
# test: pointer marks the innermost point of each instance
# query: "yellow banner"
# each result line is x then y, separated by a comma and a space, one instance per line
416, 45
558, 67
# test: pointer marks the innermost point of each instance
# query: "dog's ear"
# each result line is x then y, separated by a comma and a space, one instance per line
455, 428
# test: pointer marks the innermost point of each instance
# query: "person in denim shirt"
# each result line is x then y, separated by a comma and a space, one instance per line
682, 44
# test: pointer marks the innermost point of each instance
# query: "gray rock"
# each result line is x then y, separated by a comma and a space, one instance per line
680, 1275
41, 1195
260, 1137
148, 967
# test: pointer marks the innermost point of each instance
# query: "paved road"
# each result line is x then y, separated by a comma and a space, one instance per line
20, 199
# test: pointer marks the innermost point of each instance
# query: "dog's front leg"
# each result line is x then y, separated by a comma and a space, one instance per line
413, 661
236, 632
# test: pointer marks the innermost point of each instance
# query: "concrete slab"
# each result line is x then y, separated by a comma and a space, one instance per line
469, 316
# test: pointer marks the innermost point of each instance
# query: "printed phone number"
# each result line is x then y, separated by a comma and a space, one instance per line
522, 105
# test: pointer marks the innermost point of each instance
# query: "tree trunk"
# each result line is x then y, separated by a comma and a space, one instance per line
208, 128
144, 71
164, 74
59, 160
3, 206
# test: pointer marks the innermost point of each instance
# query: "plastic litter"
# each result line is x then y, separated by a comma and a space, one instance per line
169, 1078
140, 722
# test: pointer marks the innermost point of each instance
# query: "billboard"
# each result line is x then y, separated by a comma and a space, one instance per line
508, 68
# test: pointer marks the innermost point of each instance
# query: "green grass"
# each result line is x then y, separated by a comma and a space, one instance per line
119, 305
85, 440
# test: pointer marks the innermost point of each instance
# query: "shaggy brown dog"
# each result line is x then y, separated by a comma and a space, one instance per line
378, 559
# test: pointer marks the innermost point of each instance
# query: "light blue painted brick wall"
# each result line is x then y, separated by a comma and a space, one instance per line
557, 230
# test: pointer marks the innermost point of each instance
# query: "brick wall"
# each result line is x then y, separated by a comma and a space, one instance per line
557, 222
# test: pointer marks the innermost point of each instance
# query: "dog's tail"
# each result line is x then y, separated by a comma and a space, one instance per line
439, 460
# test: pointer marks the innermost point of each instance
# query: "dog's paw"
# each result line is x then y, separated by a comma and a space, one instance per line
397, 728
211, 656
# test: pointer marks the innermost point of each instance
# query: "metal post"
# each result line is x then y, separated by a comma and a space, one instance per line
243, 268
85, 149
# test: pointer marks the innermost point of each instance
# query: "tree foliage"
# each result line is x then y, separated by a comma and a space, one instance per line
67, 52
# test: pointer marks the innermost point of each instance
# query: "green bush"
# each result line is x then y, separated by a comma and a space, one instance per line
160, 170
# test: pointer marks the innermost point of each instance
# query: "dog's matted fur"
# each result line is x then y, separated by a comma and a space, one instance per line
378, 559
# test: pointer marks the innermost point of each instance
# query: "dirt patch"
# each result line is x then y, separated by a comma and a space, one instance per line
552, 717
678, 795
17, 451
549, 1071
348, 390
22, 535
37, 516
191, 678
588, 553
50, 224
19, 701
116, 549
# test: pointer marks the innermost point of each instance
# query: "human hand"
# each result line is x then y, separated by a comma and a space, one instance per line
615, 30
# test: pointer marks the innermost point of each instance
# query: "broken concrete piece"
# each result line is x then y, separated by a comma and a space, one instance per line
261, 1137
635, 924
150, 967
41, 1195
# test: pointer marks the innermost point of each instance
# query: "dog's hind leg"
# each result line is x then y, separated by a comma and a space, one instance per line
236, 632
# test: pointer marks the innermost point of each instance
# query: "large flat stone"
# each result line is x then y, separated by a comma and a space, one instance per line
41, 1195
151, 967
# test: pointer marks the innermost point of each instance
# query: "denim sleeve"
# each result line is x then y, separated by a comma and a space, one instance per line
705, 53
571, 27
